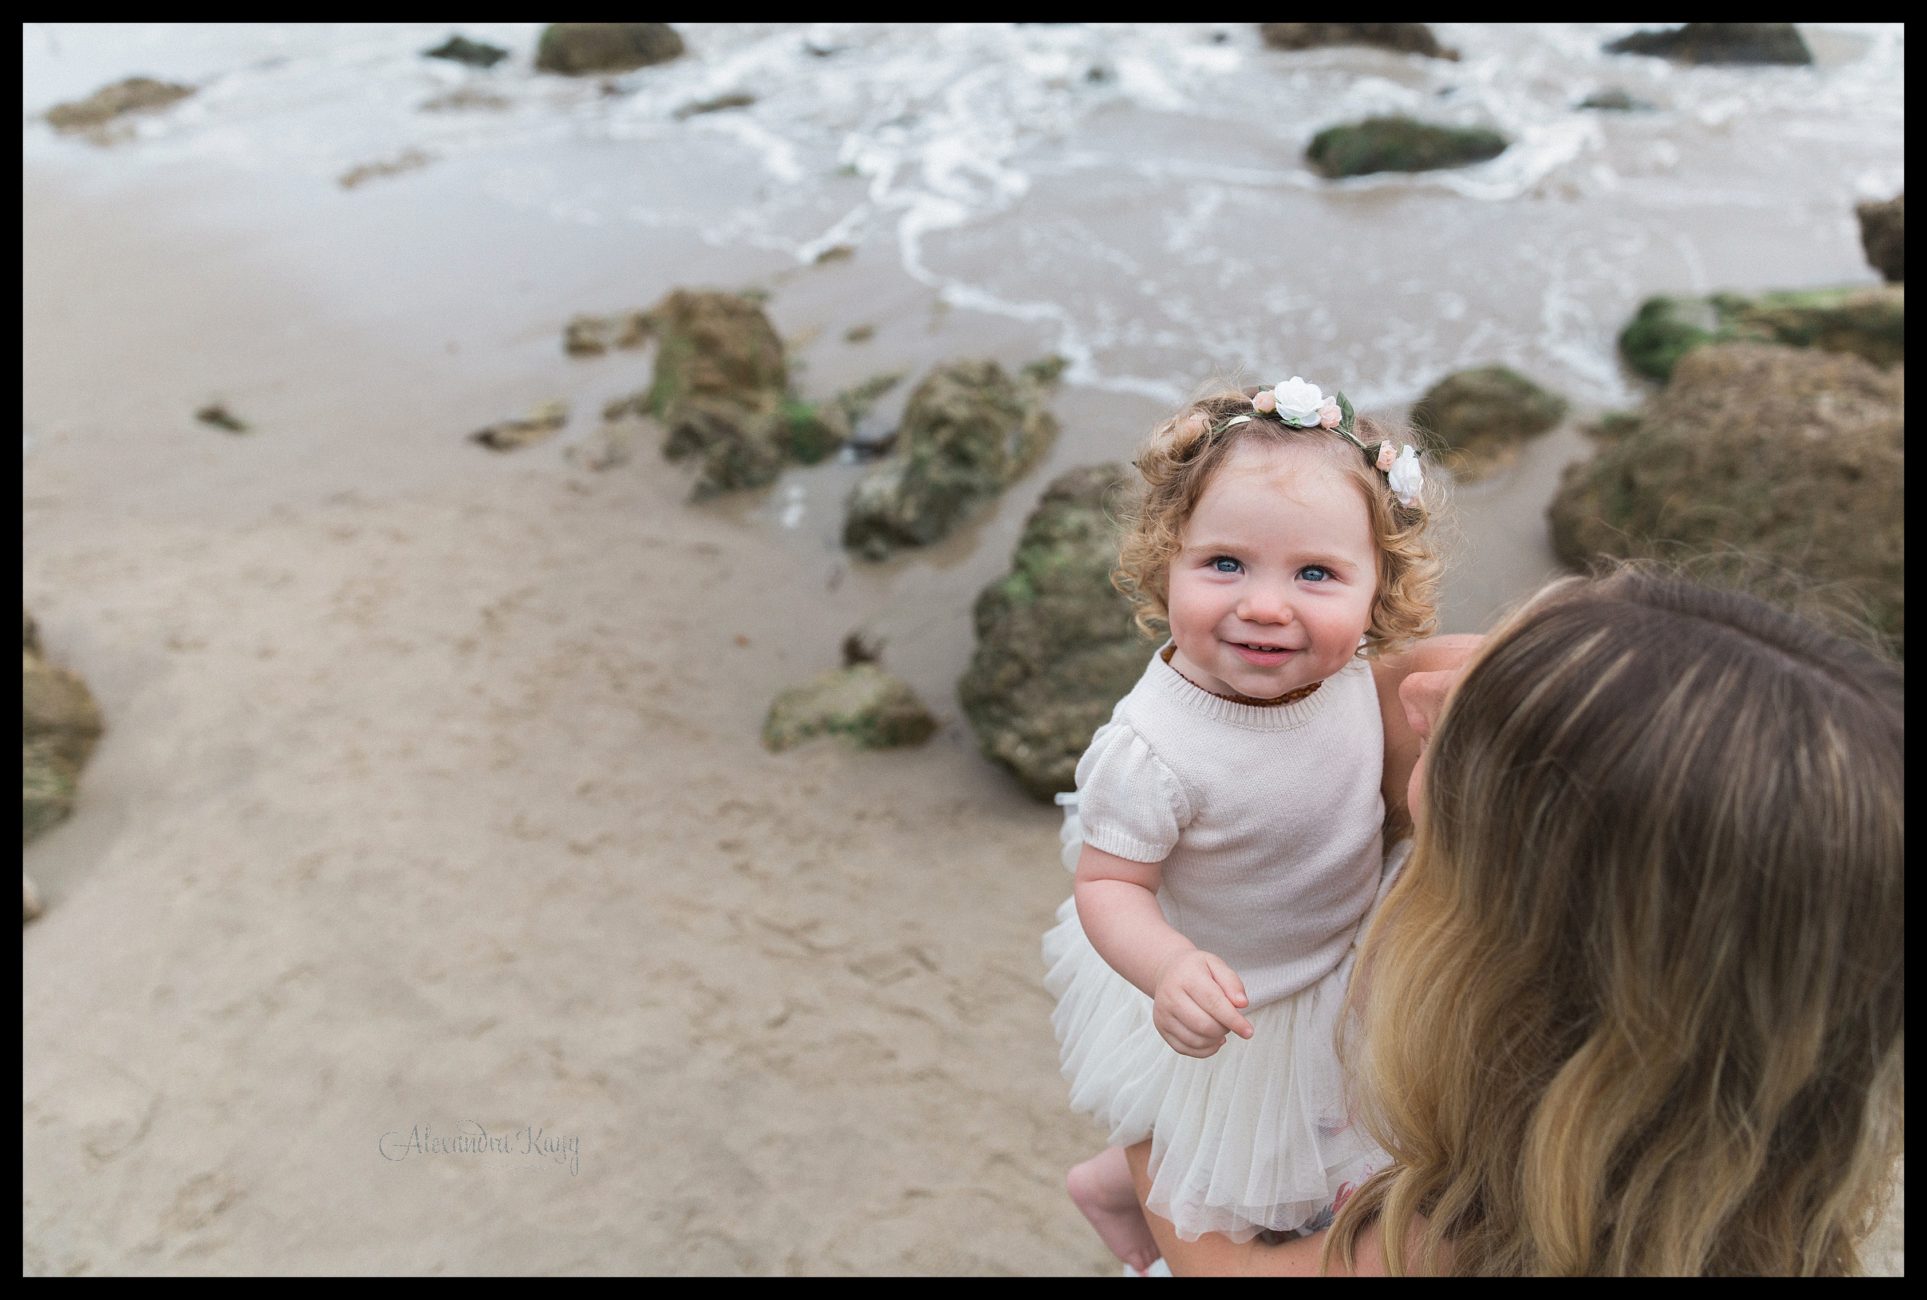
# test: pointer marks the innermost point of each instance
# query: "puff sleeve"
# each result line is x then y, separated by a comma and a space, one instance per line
1129, 803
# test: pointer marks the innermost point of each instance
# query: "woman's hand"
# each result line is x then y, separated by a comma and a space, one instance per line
1436, 664
1196, 1002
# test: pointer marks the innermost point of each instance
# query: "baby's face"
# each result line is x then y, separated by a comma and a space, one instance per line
1277, 576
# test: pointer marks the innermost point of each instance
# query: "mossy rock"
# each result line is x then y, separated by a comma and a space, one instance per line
968, 432
815, 431
1399, 144
134, 95
57, 709
714, 345
735, 446
861, 702
59, 725
1401, 38
459, 49
1719, 43
1883, 233
1615, 100
1792, 456
1056, 644
1481, 417
1870, 322
720, 389
589, 336
578, 49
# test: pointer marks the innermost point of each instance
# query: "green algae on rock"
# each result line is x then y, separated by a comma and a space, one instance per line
968, 432
578, 49
1401, 38
1399, 144
1868, 321
1482, 417
861, 702
59, 724
1056, 644
1719, 43
1795, 457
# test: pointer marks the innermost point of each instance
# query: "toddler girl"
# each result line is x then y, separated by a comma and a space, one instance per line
1226, 830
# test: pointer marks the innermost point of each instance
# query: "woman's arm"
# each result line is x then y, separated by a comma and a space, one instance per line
1437, 654
1215, 1255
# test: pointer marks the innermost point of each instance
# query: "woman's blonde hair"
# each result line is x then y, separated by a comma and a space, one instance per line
1637, 1003
1176, 465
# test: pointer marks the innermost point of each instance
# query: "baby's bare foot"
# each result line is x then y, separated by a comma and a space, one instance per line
1103, 1190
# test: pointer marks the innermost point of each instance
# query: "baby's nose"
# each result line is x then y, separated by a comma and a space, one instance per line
1266, 607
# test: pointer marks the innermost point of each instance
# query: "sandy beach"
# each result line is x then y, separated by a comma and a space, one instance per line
431, 905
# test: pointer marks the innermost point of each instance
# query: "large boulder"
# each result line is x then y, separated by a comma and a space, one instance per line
577, 49
1795, 457
861, 702
968, 432
1719, 43
1883, 233
59, 724
1056, 645
1480, 418
1403, 38
1868, 321
134, 95
1399, 144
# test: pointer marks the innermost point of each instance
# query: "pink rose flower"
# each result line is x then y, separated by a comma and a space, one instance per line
1386, 455
1265, 401
1328, 414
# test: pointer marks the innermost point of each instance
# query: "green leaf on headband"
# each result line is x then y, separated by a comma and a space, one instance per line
1344, 414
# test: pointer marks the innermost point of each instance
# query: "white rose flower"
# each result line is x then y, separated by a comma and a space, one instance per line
1298, 402
1406, 478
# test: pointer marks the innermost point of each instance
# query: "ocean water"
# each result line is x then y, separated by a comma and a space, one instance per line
1137, 193
1134, 198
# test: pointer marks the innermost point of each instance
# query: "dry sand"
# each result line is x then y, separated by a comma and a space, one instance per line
432, 800
432, 805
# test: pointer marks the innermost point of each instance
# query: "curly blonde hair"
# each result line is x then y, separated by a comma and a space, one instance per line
1177, 464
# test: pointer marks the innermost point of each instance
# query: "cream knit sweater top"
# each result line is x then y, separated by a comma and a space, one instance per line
1267, 818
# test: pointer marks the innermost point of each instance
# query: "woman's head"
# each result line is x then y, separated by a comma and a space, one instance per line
1195, 449
1637, 1004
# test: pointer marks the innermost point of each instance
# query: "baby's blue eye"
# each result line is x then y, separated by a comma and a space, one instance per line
1323, 573
1220, 563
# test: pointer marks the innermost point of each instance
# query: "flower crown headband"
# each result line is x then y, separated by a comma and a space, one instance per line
1302, 406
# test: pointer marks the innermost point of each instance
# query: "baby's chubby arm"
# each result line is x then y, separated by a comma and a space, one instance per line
1195, 996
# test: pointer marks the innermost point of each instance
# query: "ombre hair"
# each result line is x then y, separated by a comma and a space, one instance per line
1637, 1003
1177, 464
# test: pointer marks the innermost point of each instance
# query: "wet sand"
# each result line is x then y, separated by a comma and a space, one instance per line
432, 803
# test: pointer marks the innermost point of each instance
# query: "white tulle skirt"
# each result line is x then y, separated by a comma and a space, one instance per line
1255, 1136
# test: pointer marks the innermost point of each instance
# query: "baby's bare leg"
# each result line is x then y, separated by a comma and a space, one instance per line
1104, 1191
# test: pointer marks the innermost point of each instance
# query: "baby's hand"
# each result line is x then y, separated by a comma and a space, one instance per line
1196, 1003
